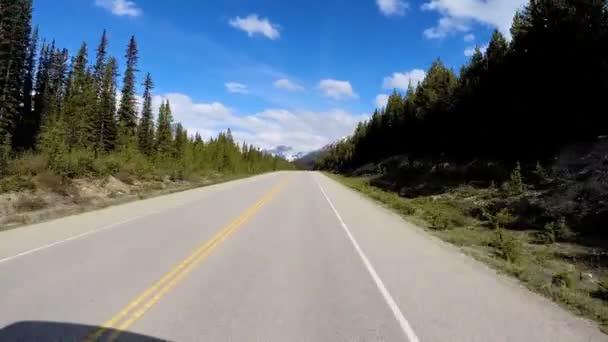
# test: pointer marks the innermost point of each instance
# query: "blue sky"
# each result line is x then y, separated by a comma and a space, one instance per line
299, 73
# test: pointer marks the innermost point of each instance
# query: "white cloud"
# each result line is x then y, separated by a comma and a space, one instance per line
469, 37
392, 7
381, 100
470, 51
301, 130
337, 90
458, 15
445, 26
253, 25
236, 88
120, 7
288, 85
403, 80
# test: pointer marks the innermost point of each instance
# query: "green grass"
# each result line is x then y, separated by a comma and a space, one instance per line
549, 269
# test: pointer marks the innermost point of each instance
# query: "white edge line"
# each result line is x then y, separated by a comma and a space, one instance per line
72, 238
405, 326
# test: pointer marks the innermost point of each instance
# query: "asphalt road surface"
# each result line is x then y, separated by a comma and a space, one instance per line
287, 256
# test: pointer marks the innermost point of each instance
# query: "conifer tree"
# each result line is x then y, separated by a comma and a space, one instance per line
15, 30
145, 134
79, 111
26, 130
127, 111
105, 124
164, 135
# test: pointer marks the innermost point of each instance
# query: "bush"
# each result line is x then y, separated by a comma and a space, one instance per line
49, 180
29, 164
515, 185
16, 184
440, 222
602, 290
562, 279
29, 203
74, 163
502, 219
124, 177
555, 231
508, 246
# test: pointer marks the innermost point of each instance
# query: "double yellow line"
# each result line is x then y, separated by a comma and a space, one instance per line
140, 305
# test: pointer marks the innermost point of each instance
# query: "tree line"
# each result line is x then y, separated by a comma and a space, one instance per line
66, 108
521, 99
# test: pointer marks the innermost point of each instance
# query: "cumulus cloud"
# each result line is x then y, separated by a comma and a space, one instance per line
402, 80
470, 51
337, 90
445, 26
288, 85
301, 130
392, 7
381, 100
253, 25
458, 15
236, 88
120, 7
469, 37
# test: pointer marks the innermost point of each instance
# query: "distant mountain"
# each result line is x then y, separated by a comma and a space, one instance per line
281, 151
307, 160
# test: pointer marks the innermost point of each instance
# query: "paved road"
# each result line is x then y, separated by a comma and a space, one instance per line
279, 257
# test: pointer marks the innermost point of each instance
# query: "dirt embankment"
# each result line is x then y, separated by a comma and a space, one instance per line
50, 196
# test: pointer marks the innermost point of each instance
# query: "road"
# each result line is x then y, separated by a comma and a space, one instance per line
287, 256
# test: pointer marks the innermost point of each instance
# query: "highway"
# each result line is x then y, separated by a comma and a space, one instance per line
286, 256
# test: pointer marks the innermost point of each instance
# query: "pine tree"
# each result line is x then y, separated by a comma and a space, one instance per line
497, 51
99, 70
26, 130
145, 133
15, 30
127, 111
40, 89
105, 123
181, 139
79, 111
54, 93
164, 135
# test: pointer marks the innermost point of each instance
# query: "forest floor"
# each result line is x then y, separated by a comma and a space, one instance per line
48, 196
574, 275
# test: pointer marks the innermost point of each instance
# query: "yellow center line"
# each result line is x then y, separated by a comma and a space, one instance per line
135, 309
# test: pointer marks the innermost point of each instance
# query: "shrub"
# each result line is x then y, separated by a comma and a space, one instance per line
49, 180
501, 219
440, 222
74, 163
555, 231
29, 164
515, 185
124, 177
508, 246
29, 203
562, 279
602, 290
539, 174
16, 184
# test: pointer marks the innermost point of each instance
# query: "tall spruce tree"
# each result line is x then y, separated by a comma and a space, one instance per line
145, 130
100, 62
26, 130
40, 88
105, 123
15, 30
127, 111
164, 135
81, 103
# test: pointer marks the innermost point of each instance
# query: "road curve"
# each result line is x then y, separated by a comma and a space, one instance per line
287, 256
